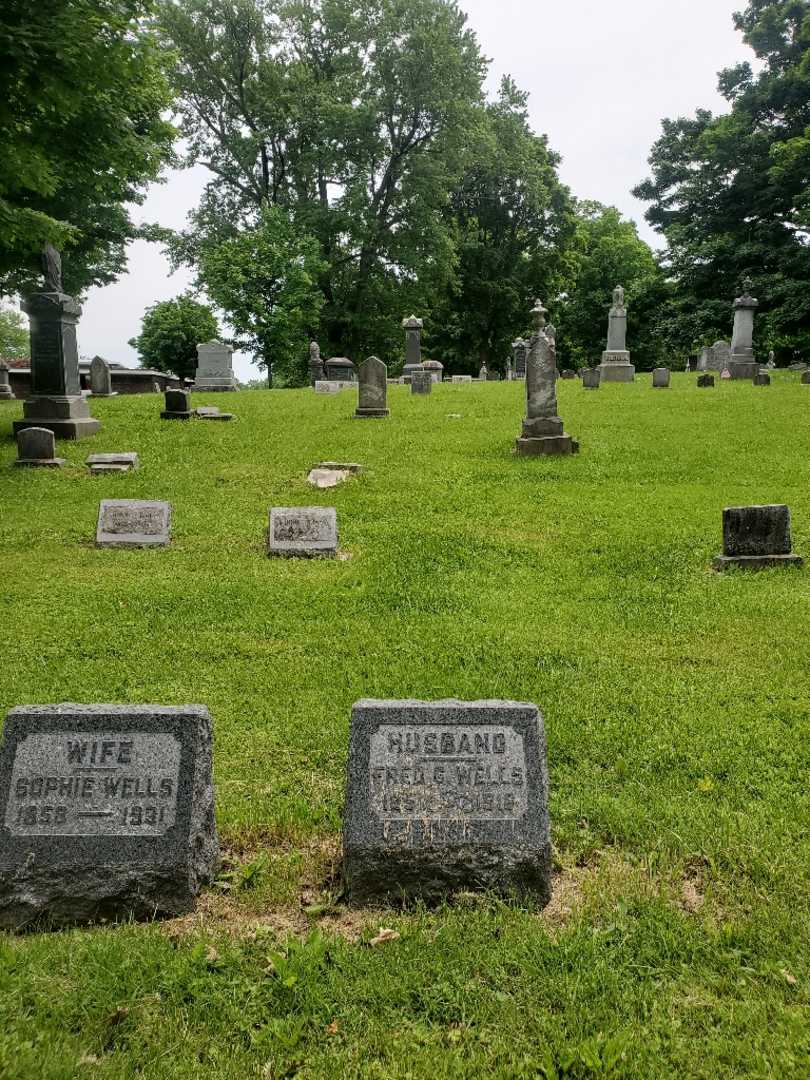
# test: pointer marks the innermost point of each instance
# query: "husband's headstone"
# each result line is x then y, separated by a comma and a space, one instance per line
445, 796
106, 812
133, 523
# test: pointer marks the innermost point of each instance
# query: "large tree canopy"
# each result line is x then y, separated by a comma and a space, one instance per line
731, 193
81, 128
171, 330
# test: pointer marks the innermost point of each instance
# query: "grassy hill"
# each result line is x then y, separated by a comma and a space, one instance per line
677, 706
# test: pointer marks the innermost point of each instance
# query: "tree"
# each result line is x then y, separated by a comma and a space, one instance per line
14, 338
514, 222
170, 333
82, 131
353, 115
730, 192
607, 252
266, 280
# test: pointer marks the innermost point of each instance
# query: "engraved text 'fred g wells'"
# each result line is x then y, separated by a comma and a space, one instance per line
436, 773
94, 784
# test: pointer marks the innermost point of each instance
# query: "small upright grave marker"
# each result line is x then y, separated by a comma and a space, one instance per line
446, 795
461, 380
421, 382
100, 378
214, 367
756, 538
705, 380
133, 523
307, 531
762, 378
661, 378
177, 405
37, 447
591, 378
372, 390
106, 811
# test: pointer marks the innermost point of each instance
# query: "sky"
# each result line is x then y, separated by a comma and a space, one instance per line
601, 77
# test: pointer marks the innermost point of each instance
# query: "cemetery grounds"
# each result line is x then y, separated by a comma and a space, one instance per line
676, 702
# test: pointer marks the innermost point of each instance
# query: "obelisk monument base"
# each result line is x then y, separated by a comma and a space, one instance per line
545, 435
616, 367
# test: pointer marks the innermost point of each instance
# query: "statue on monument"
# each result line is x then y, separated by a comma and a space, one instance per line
617, 323
52, 269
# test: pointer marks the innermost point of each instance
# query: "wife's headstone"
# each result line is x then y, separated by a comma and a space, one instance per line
106, 812
445, 796
372, 390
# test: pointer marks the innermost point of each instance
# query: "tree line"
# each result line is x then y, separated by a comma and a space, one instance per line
359, 172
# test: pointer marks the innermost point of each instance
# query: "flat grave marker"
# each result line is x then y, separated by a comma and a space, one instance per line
133, 523
306, 531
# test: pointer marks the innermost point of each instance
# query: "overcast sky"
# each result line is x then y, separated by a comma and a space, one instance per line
602, 74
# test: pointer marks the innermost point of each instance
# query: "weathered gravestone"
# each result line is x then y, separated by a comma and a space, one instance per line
435, 368
616, 366
421, 382
133, 523
413, 343
461, 380
211, 412
36, 447
568, 373
741, 363
591, 378
340, 369
100, 378
446, 795
177, 405
307, 531
542, 431
705, 380
112, 463
756, 538
661, 378
6, 391
329, 386
372, 390
762, 378
316, 372
106, 811
214, 367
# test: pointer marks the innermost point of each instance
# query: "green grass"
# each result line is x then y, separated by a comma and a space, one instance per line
677, 706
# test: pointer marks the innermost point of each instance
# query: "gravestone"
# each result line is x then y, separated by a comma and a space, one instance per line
762, 378
660, 378
616, 366
721, 355
756, 538
413, 343
112, 463
568, 373
307, 531
462, 380
328, 386
591, 378
214, 367
741, 363
421, 382
542, 429
6, 392
100, 378
177, 405
36, 447
446, 795
705, 380
316, 372
211, 412
133, 523
805, 379
372, 390
435, 368
340, 369
107, 812
56, 400
520, 347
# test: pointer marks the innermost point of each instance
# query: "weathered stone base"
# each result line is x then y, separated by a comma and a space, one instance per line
755, 562
167, 415
430, 874
371, 414
67, 417
546, 444
62, 429
209, 387
747, 369
616, 367
42, 463
7, 394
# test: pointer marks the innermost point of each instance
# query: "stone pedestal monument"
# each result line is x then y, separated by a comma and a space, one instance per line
373, 389
616, 366
6, 392
413, 343
214, 367
742, 364
316, 372
56, 400
542, 429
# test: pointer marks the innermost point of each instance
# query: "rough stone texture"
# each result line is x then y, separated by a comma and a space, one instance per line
756, 537
446, 795
327, 478
347, 466
661, 378
56, 400
742, 364
591, 378
100, 378
308, 531
372, 390
421, 382
214, 367
616, 366
6, 392
762, 378
542, 429
133, 523
462, 380
107, 463
37, 447
106, 812
177, 405
520, 348
340, 369
316, 372
705, 380
413, 343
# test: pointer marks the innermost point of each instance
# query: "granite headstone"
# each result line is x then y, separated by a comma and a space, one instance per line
372, 390
421, 382
661, 378
177, 405
133, 523
756, 538
100, 378
307, 531
37, 447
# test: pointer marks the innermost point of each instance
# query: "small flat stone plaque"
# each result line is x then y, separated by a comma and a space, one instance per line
105, 811
303, 530
446, 795
132, 523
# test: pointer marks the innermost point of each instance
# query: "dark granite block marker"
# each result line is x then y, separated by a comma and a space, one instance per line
306, 531
133, 523
756, 538
445, 796
106, 811
762, 378
705, 380
177, 405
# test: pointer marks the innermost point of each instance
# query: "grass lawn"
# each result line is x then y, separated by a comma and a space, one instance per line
676, 700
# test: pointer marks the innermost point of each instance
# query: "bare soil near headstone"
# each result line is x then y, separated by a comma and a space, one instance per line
676, 704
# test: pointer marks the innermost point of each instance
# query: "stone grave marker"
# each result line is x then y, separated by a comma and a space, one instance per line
100, 378
542, 430
591, 378
661, 378
107, 811
6, 391
214, 367
568, 373
177, 405
307, 531
446, 795
211, 412
133, 523
462, 380
329, 386
372, 390
762, 378
705, 380
112, 463
756, 538
421, 382
36, 447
